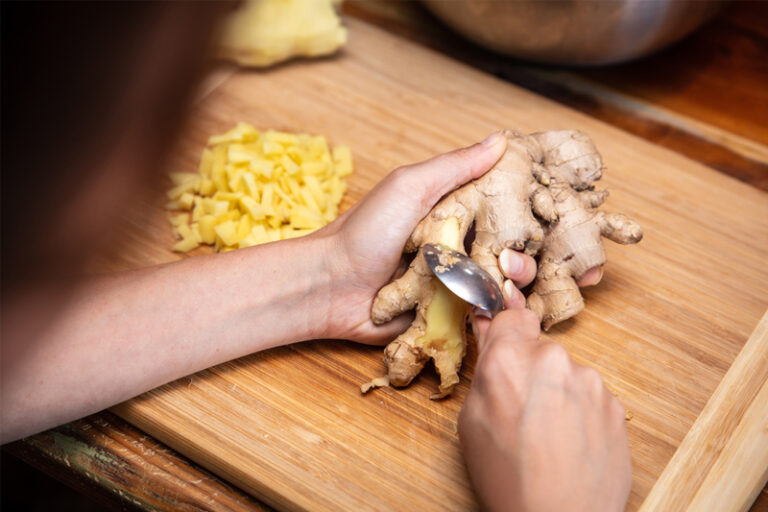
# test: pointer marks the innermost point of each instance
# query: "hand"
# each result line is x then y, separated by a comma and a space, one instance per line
364, 246
539, 431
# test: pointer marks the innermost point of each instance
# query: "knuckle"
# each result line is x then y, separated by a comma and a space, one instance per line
502, 326
555, 358
504, 320
402, 175
593, 382
518, 318
618, 412
497, 359
592, 377
485, 370
529, 322
496, 368
510, 328
409, 182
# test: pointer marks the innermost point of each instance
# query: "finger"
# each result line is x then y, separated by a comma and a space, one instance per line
513, 298
480, 321
386, 332
443, 173
401, 269
591, 277
405, 196
521, 326
518, 267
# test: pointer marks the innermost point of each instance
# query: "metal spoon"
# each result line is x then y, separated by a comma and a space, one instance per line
464, 277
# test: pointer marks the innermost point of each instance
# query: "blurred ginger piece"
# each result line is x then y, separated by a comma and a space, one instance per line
264, 32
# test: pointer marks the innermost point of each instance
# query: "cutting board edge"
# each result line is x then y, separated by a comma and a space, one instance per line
682, 478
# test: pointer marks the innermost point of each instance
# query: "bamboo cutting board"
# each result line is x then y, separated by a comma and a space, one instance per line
671, 315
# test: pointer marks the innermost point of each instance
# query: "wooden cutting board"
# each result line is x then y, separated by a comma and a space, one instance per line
668, 320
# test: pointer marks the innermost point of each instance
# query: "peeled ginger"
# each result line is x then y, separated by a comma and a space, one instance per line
263, 32
252, 188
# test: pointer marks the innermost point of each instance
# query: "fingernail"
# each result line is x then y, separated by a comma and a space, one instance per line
481, 312
600, 275
509, 289
511, 262
492, 139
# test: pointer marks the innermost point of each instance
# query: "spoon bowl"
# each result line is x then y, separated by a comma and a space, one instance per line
465, 278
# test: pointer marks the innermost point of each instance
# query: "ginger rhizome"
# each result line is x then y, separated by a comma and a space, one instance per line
539, 198
437, 330
264, 32
573, 244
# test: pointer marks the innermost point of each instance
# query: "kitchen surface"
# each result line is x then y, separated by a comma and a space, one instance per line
682, 344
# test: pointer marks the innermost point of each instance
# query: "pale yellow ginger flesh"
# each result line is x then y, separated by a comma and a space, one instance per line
539, 198
438, 332
253, 188
264, 32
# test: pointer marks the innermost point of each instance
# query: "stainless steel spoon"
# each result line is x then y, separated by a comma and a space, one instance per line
464, 277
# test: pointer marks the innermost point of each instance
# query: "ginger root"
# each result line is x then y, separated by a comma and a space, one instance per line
573, 244
539, 198
264, 32
437, 330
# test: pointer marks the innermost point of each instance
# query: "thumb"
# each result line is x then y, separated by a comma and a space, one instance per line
481, 322
481, 319
518, 326
443, 173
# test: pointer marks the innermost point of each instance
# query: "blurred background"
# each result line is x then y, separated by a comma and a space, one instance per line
704, 96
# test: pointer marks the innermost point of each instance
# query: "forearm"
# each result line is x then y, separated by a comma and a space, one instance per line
126, 333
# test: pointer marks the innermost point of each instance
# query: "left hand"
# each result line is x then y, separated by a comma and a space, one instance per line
364, 246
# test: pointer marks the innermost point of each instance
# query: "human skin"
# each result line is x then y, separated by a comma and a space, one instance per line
539, 431
115, 336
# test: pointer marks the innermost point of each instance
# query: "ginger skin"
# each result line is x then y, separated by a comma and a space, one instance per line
573, 244
538, 198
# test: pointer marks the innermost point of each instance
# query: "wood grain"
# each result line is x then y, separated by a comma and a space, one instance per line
124, 469
723, 461
666, 98
728, 54
744, 461
289, 424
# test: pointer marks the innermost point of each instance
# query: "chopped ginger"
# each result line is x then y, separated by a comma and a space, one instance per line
253, 188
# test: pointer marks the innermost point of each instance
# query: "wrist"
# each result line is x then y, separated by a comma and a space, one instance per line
312, 274
331, 287
281, 290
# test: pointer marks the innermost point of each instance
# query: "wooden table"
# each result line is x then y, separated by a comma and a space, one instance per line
695, 111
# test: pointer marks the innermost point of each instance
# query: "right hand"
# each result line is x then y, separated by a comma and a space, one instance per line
539, 431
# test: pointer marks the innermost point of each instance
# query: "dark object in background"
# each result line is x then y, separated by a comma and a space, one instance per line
574, 32
93, 94
23, 488
86, 85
